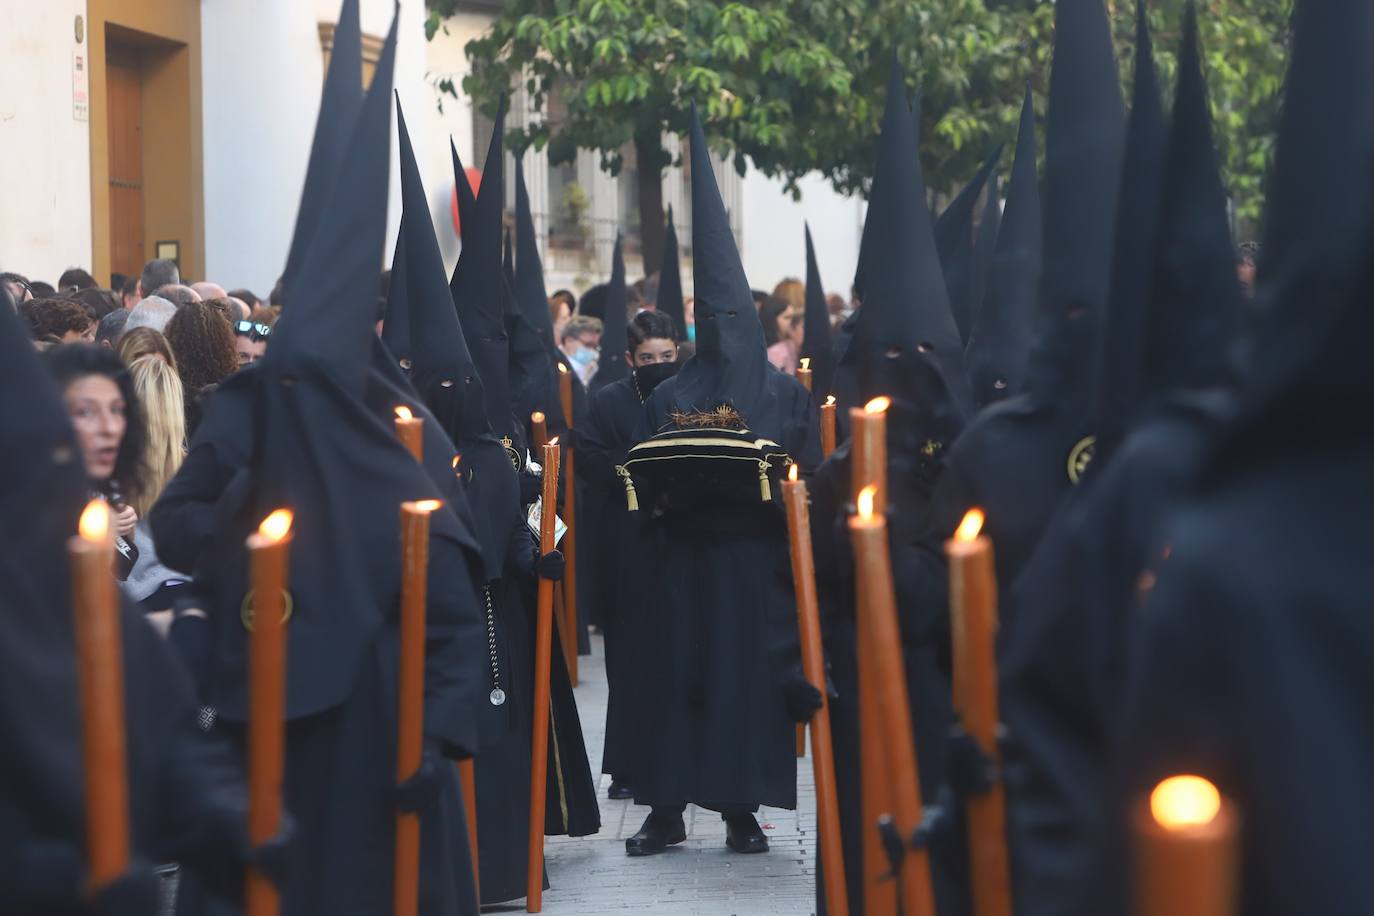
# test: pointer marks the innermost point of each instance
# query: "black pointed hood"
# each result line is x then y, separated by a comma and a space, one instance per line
954, 242
1000, 344
906, 306
339, 104
670, 301
508, 264
731, 362
478, 284
421, 329
529, 279
327, 327
1083, 146
1196, 294
615, 339
1313, 376
985, 245
816, 339
1137, 226
462, 189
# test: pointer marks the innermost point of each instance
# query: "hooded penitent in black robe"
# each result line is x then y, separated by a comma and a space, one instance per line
1251, 651
422, 330
905, 307
186, 798
816, 344
1061, 706
300, 431
1019, 456
670, 301
711, 715
954, 241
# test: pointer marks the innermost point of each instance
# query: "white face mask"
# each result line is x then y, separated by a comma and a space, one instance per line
585, 356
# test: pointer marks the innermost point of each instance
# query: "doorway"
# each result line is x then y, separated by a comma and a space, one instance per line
124, 87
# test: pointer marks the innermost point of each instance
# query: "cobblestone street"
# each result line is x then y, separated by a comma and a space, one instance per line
701, 877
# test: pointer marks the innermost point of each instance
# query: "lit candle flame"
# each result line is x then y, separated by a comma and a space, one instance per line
553, 441
878, 405
971, 526
806, 363
830, 401
562, 368
456, 459
537, 417
865, 501
403, 413
792, 472
276, 526
427, 505
94, 525
1180, 802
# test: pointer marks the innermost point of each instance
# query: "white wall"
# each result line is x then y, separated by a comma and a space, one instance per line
45, 167
775, 245
263, 71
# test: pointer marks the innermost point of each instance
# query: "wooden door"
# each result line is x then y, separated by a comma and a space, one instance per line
124, 91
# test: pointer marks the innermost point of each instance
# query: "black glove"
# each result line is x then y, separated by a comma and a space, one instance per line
971, 772
421, 789
550, 566
137, 892
272, 859
190, 636
531, 485
803, 699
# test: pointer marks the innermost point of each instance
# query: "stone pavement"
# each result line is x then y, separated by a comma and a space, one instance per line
592, 875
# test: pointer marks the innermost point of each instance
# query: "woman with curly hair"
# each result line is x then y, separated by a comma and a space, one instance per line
203, 343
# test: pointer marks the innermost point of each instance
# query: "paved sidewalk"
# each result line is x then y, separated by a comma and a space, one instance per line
592, 875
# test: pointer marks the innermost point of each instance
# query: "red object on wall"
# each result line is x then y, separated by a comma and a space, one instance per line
475, 180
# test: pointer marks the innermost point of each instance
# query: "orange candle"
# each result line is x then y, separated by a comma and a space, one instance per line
877, 614
868, 431
804, 372
973, 624
410, 429
543, 648
100, 673
565, 391
268, 551
1186, 850
828, 426
540, 430
813, 664
411, 694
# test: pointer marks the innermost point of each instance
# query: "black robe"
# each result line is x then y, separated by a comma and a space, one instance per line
1062, 706
616, 551
710, 715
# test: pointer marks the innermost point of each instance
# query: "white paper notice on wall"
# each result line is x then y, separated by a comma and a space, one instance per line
81, 85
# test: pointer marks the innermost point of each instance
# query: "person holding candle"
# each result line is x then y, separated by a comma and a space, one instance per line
424, 340
620, 562
185, 794
1247, 641
892, 358
722, 683
816, 344
296, 429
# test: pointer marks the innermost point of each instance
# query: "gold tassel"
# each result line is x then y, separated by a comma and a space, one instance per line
765, 486
631, 497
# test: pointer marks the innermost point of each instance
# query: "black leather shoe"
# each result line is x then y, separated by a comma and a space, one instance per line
742, 834
620, 791
657, 834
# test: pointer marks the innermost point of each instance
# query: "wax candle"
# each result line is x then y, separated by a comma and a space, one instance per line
268, 552
877, 615
828, 426
804, 372
813, 664
543, 648
973, 625
1186, 850
100, 673
410, 430
868, 431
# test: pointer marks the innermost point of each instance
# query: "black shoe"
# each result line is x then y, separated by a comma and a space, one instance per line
658, 833
742, 834
620, 790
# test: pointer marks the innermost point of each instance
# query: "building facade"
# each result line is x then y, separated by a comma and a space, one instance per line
143, 128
